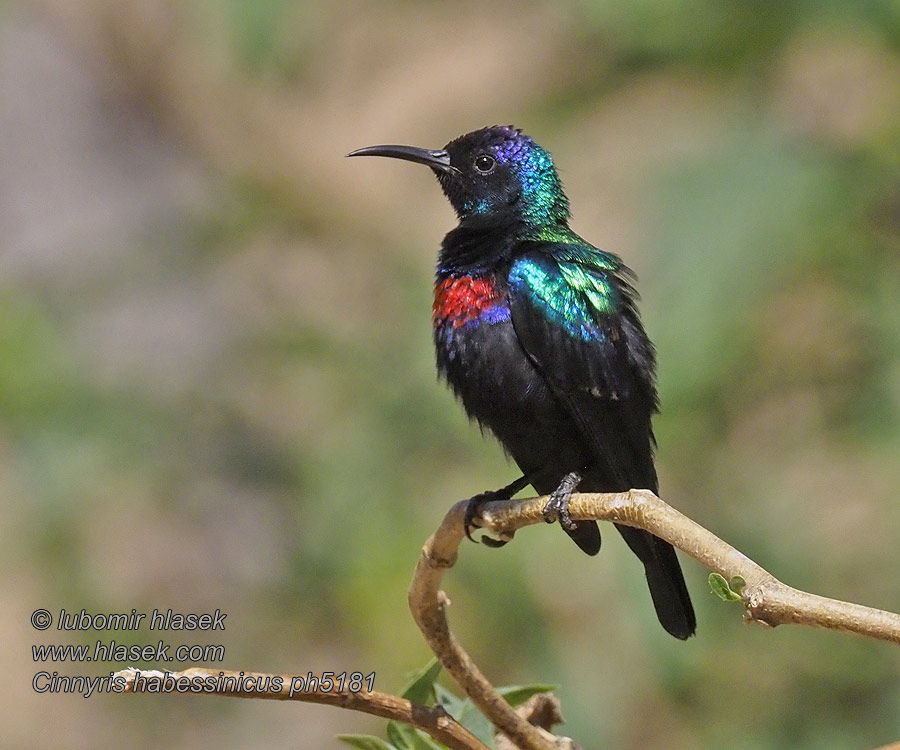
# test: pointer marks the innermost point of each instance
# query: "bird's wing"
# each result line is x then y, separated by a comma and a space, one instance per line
574, 314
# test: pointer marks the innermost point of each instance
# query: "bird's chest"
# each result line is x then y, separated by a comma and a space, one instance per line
462, 300
480, 356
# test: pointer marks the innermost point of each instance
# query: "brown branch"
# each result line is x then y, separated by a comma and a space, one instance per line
543, 711
428, 603
766, 599
435, 721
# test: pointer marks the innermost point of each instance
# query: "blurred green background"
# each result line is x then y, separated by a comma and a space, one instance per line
216, 376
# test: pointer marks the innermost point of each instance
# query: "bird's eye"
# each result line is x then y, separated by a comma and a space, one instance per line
484, 163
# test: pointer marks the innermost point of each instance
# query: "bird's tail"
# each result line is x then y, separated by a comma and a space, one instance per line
667, 587
586, 534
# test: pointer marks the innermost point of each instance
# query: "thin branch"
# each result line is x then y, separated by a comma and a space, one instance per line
428, 603
435, 721
542, 710
766, 599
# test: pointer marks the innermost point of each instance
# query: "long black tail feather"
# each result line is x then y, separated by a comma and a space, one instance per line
665, 579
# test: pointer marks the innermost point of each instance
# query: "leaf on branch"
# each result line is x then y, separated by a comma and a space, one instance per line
723, 590
452, 704
472, 719
477, 723
516, 695
365, 742
405, 737
420, 688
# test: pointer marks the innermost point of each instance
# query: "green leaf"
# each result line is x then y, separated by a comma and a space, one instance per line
406, 737
738, 583
517, 694
451, 704
476, 722
473, 720
365, 742
721, 588
420, 688
424, 742
398, 734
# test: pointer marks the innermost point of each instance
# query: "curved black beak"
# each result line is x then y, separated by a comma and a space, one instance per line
437, 160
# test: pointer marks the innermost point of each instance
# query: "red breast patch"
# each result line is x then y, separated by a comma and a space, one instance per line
462, 299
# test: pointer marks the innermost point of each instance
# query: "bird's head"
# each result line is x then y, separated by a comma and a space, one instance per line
493, 175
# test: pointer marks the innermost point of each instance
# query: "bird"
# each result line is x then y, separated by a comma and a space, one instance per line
538, 334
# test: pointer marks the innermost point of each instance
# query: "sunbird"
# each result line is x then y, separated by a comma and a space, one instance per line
537, 333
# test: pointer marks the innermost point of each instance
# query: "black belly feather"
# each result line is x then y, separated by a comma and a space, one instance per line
502, 389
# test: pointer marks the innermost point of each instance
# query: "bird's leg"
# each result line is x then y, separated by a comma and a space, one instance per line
557, 507
476, 503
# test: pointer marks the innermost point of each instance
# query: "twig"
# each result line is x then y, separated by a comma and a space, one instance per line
428, 603
435, 721
766, 599
543, 711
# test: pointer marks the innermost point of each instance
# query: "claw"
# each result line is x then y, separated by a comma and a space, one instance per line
473, 511
476, 503
557, 507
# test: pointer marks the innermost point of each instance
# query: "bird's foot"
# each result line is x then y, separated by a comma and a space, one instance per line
557, 507
476, 503
473, 512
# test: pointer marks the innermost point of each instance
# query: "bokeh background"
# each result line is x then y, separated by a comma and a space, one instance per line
216, 376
